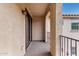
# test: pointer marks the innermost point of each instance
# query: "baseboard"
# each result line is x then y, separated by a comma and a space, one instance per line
38, 40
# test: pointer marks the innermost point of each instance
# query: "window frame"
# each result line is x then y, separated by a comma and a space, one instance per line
73, 28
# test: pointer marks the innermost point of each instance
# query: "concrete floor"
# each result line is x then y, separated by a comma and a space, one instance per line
38, 49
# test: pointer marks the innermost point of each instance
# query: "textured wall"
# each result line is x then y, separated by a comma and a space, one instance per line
38, 28
47, 27
12, 30
67, 29
56, 27
53, 29
69, 33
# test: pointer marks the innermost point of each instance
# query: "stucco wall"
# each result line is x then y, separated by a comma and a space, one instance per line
47, 27
69, 33
12, 30
38, 25
55, 27
67, 29
48, 22
59, 21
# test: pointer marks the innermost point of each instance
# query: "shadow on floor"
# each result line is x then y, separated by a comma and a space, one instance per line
38, 49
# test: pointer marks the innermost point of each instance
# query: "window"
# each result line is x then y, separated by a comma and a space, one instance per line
73, 50
75, 26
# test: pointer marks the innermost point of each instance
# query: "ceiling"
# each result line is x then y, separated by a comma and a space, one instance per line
36, 9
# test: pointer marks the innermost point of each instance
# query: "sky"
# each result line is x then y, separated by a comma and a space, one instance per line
70, 8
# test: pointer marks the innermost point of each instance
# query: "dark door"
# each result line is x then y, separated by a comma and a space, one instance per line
28, 29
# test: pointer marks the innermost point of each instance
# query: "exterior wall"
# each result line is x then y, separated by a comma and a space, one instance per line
67, 32
67, 29
56, 27
53, 29
59, 21
12, 30
47, 27
38, 28
48, 24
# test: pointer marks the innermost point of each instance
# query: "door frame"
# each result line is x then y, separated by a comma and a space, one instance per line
29, 19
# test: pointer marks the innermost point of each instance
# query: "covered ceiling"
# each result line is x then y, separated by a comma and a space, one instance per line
36, 9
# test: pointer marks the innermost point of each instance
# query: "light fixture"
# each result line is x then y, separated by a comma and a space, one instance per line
24, 12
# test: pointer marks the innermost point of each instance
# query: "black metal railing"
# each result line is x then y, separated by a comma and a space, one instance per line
68, 46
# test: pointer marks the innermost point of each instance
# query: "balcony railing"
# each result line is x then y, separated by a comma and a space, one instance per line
68, 46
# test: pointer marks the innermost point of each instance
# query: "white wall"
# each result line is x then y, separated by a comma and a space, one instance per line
67, 29
47, 27
12, 30
48, 23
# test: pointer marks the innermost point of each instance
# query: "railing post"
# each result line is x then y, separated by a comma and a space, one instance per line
67, 45
64, 46
71, 46
76, 47
60, 43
